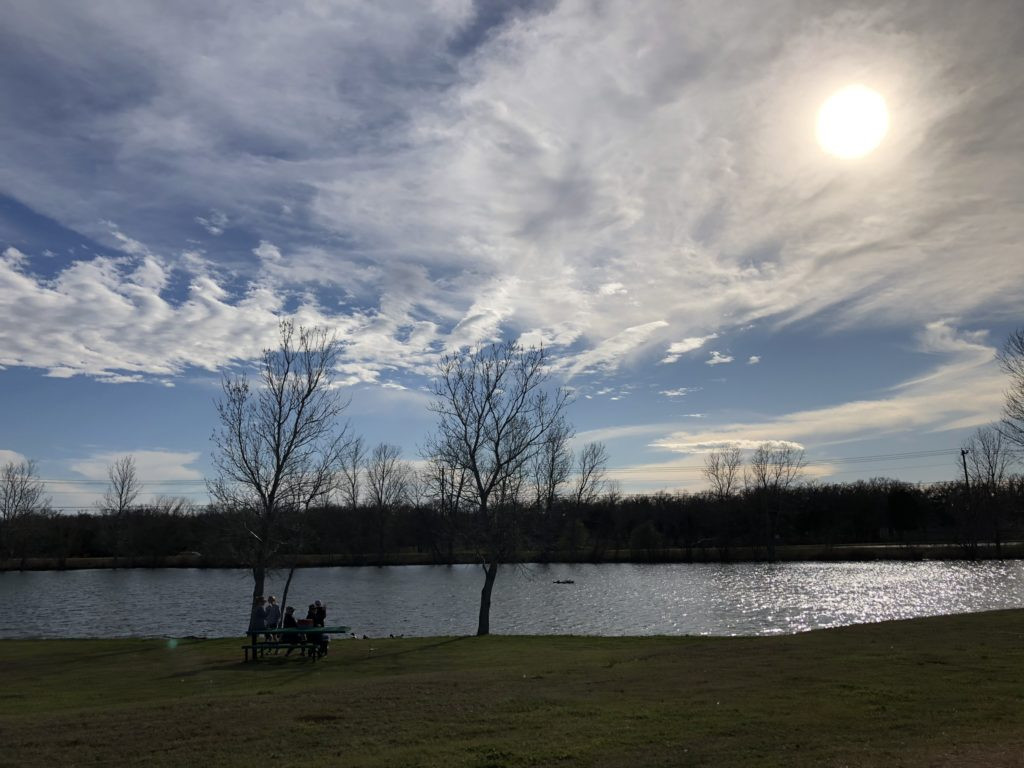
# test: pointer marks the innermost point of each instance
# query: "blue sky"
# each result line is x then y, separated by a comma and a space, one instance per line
635, 185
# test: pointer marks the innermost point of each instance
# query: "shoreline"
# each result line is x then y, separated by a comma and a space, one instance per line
788, 553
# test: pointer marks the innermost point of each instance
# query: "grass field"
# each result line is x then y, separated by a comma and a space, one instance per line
938, 691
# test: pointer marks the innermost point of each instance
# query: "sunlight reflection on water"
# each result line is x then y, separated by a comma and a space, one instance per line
697, 599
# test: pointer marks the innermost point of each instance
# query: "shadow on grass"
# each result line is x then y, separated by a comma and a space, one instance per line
372, 654
304, 665
152, 645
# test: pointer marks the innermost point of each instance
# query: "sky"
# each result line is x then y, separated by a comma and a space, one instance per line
635, 185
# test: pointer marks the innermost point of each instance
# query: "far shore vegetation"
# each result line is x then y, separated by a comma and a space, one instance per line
702, 554
926, 692
865, 520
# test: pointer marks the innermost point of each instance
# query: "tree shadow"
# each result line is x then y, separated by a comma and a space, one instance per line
430, 646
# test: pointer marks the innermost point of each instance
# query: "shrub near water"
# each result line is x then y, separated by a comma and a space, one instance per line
939, 691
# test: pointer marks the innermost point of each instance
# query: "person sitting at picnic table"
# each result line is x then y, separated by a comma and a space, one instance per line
319, 619
289, 618
311, 613
258, 617
290, 623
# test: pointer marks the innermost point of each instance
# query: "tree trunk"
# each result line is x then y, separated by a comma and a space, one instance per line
259, 576
287, 586
484, 625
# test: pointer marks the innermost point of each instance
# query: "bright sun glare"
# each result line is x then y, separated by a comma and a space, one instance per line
852, 122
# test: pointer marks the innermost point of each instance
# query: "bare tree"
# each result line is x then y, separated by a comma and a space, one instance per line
122, 491
589, 469
352, 464
124, 487
722, 470
279, 445
494, 413
447, 488
1012, 360
775, 467
174, 506
22, 494
988, 459
552, 465
388, 485
590, 473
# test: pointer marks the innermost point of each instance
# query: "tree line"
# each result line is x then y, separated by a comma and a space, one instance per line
496, 482
611, 526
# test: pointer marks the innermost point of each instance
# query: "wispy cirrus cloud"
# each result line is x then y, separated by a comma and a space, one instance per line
429, 164
679, 348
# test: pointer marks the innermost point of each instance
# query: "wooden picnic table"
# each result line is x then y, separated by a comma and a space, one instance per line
306, 639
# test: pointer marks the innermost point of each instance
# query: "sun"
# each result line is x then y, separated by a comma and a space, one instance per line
852, 122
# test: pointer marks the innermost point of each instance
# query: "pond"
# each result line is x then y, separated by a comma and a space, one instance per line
620, 599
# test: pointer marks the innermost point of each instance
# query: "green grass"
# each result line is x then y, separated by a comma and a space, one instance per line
940, 691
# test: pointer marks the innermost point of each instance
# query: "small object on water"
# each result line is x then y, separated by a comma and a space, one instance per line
563, 581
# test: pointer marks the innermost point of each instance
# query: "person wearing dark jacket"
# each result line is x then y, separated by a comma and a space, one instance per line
289, 618
258, 617
319, 618
290, 623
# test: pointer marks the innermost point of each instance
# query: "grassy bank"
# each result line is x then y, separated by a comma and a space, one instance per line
939, 691
705, 554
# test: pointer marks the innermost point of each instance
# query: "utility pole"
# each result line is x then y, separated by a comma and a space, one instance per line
963, 458
973, 543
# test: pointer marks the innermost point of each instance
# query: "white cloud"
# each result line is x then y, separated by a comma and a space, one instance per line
126, 243
14, 258
679, 348
753, 360
94, 318
7, 456
613, 351
679, 392
611, 289
150, 465
214, 223
122, 379
717, 358
267, 252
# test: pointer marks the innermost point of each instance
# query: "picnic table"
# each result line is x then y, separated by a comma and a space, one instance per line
307, 640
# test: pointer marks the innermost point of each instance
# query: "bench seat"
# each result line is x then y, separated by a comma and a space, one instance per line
307, 649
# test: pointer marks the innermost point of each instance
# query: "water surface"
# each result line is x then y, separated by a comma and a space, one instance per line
675, 599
